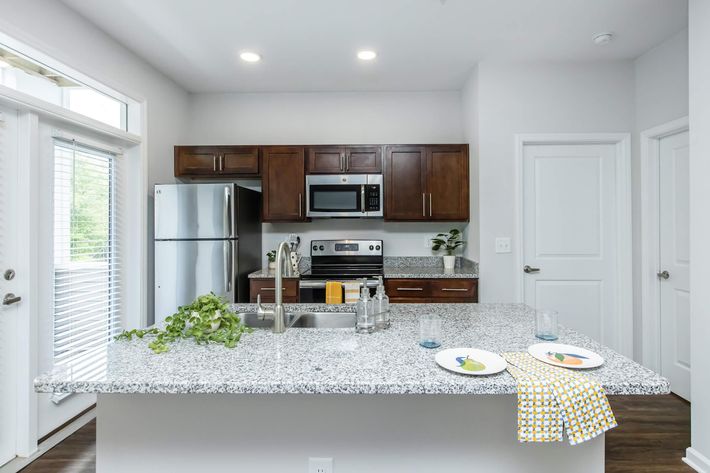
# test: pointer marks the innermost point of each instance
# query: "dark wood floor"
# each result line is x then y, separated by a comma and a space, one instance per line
652, 436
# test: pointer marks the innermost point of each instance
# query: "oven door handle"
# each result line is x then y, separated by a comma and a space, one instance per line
320, 283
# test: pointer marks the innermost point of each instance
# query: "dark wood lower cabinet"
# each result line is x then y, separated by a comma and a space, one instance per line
267, 289
432, 290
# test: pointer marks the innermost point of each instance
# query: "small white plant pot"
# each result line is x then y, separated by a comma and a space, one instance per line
272, 264
449, 261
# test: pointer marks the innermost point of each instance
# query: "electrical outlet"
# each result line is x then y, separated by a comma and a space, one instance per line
503, 245
320, 465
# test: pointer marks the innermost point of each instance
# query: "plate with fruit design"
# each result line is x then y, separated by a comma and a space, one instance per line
471, 361
566, 356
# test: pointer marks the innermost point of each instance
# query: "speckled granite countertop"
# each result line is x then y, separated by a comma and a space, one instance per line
265, 273
323, 361
405, 267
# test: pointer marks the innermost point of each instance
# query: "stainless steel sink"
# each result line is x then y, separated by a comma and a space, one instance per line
304, 320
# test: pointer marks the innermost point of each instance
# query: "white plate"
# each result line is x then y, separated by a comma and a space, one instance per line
471, 361
572, 356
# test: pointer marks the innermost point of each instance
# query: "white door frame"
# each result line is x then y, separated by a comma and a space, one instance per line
650, 241
622, 142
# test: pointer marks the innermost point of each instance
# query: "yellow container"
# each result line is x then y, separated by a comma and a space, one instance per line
333, 292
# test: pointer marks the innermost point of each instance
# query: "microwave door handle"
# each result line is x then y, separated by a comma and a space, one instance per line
362, 198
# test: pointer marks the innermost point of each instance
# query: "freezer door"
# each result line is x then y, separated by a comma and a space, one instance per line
191, 211
190, 268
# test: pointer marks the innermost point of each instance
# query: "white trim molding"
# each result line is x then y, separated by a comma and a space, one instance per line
650, 241
622, 141
696, 460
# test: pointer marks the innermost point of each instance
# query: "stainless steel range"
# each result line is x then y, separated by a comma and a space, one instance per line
341, 260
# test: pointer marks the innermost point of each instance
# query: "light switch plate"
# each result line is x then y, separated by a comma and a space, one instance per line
503, 245
320, 465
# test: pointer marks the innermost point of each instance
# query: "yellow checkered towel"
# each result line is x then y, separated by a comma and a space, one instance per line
333, 292
552, 398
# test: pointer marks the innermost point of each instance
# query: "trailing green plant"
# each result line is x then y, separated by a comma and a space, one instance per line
271, 255
449, 242
207, 320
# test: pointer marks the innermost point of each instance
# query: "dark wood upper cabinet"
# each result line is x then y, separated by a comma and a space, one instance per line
240, 160
363, 159
325, 160
195, 161
344, 160
426, 183
448, 186
283, 184
205, 161
405, 183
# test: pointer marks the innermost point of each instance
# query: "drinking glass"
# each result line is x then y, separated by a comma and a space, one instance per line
430, 331
546, 327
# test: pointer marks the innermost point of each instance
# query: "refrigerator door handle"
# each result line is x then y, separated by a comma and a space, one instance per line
228, 211
228, 265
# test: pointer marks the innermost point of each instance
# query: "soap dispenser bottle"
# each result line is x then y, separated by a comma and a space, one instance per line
365, 322
381, 306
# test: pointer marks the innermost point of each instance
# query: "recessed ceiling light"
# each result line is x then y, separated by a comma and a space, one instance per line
249, 56
366, 55
601, 39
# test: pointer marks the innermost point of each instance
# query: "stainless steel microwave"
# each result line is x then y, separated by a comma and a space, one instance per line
344, 195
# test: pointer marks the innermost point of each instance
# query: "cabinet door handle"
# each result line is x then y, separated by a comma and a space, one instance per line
214, 162
454, 289
300, 205
529, 269
410, 289
423, 204
430, 204
342, 162
221, 162
347, 162
271, 289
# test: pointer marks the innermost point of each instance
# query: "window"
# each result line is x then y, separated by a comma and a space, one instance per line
87, 270
31, 77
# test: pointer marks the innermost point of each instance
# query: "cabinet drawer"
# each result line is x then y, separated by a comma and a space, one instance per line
454, 288
407, 288
266, 288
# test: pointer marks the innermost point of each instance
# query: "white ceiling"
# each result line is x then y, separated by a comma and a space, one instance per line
310, 45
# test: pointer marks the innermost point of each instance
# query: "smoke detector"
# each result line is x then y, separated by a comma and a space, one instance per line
601, 39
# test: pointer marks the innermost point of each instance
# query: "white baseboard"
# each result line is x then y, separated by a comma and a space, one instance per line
696, 460
13, 466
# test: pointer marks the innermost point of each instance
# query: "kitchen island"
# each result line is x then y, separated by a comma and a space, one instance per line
372, 402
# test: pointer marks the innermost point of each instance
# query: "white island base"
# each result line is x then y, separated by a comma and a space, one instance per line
277, 433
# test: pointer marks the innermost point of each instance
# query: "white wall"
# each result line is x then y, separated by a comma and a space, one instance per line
323, 118
535, 98
699, 39
661, 95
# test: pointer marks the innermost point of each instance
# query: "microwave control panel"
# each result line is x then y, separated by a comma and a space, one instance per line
372, 198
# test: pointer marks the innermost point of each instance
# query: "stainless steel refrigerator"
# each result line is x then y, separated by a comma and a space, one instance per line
207, 238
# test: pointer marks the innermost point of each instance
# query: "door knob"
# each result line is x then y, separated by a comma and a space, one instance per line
529, 269
11, 298
664, 275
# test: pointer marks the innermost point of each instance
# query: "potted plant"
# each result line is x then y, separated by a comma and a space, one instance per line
449, 242
271, 256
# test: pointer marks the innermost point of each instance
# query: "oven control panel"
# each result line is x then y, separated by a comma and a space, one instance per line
347, 248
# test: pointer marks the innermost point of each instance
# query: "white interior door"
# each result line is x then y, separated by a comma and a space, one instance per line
8, 285
570, 235
675, 260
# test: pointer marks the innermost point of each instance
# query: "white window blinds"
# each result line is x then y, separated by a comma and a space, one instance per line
87, 269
